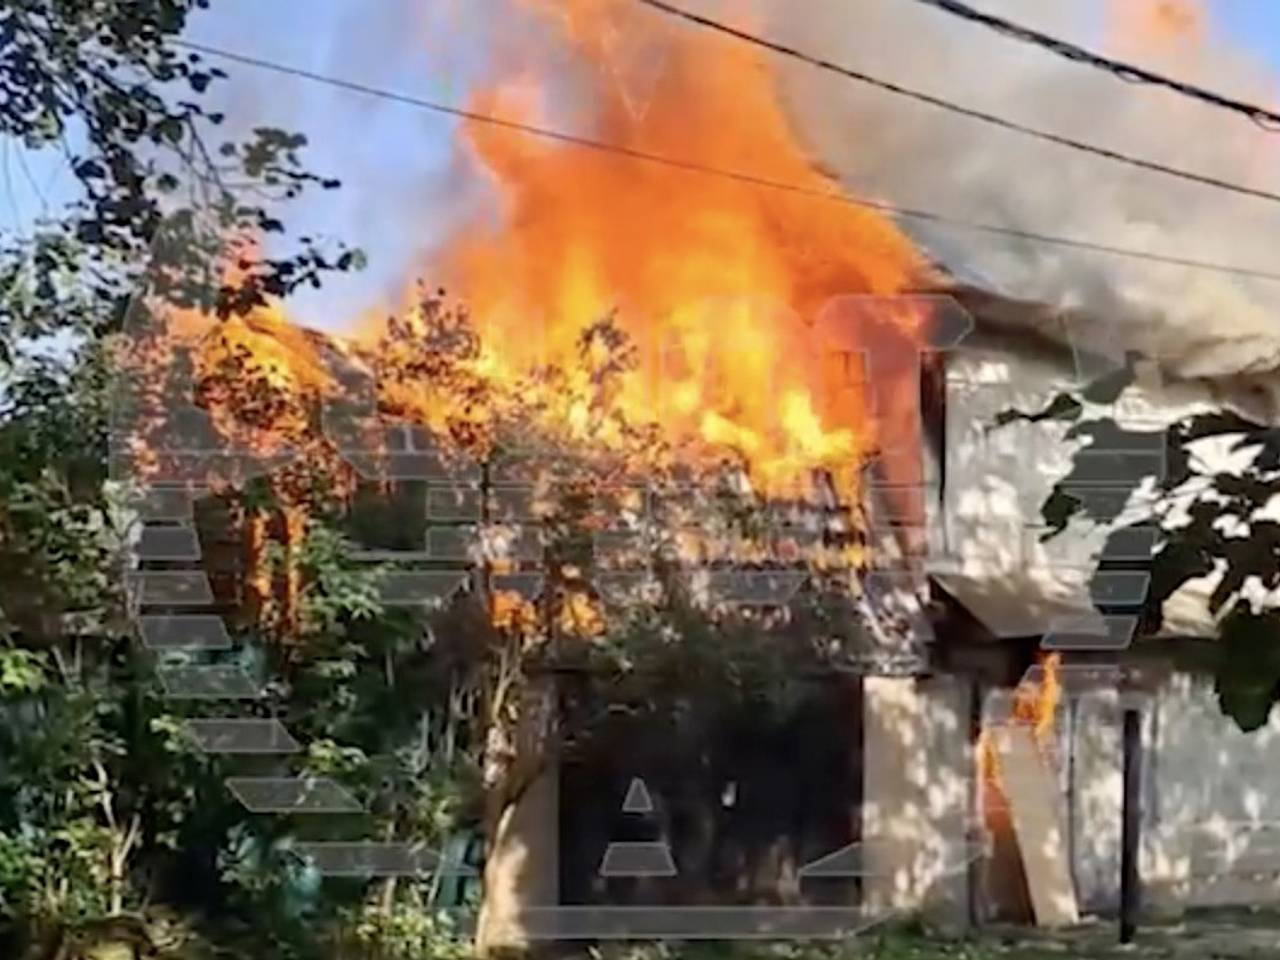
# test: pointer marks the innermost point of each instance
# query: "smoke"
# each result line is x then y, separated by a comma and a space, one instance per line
1199, 323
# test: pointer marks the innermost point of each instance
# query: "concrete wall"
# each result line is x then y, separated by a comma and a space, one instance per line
1210, 801
997, 479
1096, 781
1213, 806
917, 796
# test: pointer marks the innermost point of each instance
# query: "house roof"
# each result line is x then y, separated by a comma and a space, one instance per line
1229, 368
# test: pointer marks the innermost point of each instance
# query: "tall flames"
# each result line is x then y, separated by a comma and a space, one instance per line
714, 280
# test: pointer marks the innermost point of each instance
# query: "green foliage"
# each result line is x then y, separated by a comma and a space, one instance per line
409, 930
21, 672
116, 834
335, 591
102, 793
64, 826
104, 89
889, 944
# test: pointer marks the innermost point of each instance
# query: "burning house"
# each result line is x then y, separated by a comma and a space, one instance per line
962, 755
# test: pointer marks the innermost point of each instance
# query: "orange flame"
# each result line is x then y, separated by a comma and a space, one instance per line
714, 280
1035, 704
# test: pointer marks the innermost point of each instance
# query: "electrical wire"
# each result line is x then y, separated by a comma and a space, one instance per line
991, 119
693, 166
1267, 119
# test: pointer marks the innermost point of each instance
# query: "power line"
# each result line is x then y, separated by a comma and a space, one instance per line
1267, 119
693, 166
982, 116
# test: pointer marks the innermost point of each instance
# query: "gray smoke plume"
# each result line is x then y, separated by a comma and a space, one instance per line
1199, 323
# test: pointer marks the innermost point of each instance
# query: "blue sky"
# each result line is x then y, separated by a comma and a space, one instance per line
395, 160
1254, 23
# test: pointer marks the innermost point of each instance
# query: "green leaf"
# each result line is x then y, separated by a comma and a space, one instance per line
171, 129
21, 671
1248, 674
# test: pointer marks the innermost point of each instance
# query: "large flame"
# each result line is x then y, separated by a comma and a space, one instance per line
715, 280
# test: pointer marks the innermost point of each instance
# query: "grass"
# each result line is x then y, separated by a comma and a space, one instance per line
1221, 937
903, 945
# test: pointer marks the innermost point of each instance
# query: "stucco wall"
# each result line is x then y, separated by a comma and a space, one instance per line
917, 797
1213, 806
1210, 799
998, 478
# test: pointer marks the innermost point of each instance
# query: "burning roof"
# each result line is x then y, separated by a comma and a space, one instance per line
668, 314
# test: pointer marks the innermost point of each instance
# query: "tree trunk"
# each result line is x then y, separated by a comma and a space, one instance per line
522, 829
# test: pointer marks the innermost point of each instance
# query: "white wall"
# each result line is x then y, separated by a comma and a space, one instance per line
917, 778
1210, 799
1212, 821
997, 480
